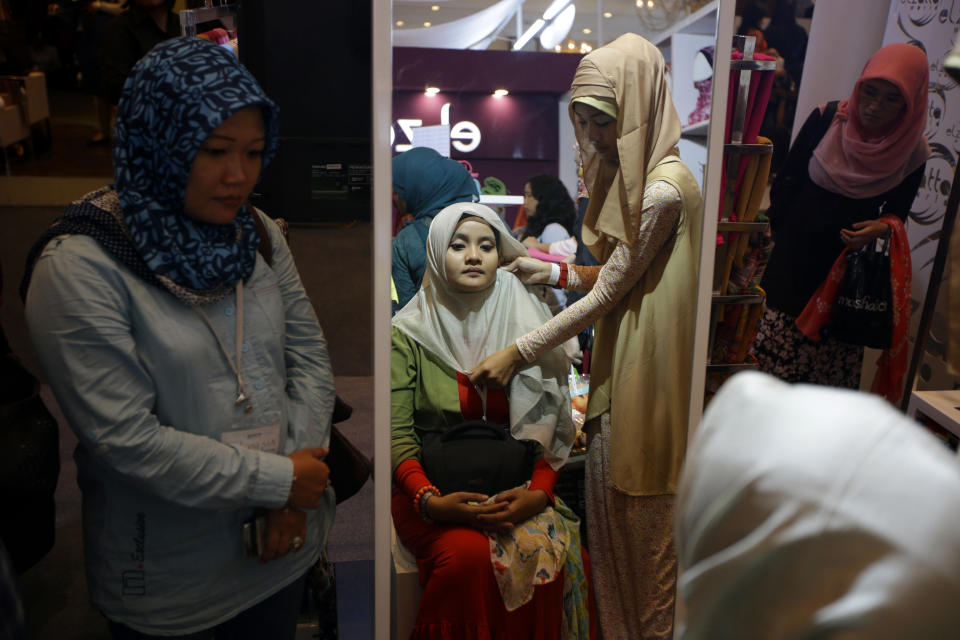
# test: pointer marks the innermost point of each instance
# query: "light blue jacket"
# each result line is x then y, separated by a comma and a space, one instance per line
148, 392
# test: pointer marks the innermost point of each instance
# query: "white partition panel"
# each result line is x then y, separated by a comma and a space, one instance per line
382, 84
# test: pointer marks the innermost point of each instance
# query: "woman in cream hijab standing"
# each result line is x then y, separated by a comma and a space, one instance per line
643, 224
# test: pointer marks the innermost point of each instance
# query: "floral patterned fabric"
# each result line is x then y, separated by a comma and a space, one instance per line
783, 351
534, 553
632, 559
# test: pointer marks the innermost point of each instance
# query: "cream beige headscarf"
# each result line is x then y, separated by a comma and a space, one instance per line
648, 129
462, 329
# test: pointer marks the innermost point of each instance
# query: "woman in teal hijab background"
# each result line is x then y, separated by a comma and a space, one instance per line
424, 182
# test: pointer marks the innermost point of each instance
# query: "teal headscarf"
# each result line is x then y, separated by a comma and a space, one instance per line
428, 182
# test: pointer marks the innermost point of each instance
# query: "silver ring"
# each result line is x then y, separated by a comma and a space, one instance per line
296, 543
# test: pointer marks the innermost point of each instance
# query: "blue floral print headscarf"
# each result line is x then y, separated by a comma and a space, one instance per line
173, 99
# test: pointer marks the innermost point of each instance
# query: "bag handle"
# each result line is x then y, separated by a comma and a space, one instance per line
477, 428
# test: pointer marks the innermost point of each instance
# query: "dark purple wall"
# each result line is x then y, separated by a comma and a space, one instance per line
519, 132
483, 71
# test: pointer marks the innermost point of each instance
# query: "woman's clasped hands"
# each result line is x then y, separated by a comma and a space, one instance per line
286, 528
507, 508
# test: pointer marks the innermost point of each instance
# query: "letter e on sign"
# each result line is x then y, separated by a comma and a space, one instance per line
465, 136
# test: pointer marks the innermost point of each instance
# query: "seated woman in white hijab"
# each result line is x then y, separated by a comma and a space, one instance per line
500, 566
809, 512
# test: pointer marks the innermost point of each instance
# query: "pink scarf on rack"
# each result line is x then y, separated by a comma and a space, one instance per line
850, 163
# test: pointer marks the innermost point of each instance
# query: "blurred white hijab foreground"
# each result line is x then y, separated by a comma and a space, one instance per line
809, 512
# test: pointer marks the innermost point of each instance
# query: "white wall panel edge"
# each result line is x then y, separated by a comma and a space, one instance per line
382, 96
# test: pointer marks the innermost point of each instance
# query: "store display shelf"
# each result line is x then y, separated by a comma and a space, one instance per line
761, 149
943, 407
702, 21
744, 298
731, 368
742, 226
699, 129
753, 65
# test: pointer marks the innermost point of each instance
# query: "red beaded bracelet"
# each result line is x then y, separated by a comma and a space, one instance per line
427, 488
562, 280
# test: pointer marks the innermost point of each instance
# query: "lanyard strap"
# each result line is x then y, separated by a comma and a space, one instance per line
234, 363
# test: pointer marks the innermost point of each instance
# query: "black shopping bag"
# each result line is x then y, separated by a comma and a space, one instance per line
863, 310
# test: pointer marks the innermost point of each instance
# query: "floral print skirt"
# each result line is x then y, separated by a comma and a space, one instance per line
783, 351
632, 558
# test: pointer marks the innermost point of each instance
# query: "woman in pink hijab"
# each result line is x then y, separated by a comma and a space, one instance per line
852, 163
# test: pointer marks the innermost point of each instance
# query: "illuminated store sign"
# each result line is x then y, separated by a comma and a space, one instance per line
464, 136
510, 127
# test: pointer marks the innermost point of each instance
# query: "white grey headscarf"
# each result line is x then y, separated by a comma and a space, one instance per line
462, 329
807, 512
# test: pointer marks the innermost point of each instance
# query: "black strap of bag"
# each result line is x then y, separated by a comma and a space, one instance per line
349, 468
787, 185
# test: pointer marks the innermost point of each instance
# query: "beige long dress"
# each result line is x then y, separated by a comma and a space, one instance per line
643, 224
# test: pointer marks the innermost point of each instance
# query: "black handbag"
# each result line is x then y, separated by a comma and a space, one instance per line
863, 310
477, 456
349, 468
29, 466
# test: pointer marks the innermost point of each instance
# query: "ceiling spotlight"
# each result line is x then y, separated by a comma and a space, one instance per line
587, 30
427, 24
650, 3
435, 7
499, 93
432, 91
607, 14
399, 23
640, 4
571, 45
558, 48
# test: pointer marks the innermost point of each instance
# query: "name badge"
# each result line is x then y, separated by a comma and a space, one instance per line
262, 438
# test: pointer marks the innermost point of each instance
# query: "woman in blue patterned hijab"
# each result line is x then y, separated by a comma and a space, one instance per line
174, 98
188, 361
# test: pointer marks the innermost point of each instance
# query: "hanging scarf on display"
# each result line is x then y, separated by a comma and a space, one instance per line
173, 99
852, 163
888, 380
461, 329
629, 76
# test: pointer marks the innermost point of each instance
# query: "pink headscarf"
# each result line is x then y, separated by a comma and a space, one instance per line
848, 162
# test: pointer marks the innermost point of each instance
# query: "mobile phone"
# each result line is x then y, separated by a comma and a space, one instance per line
253, 530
